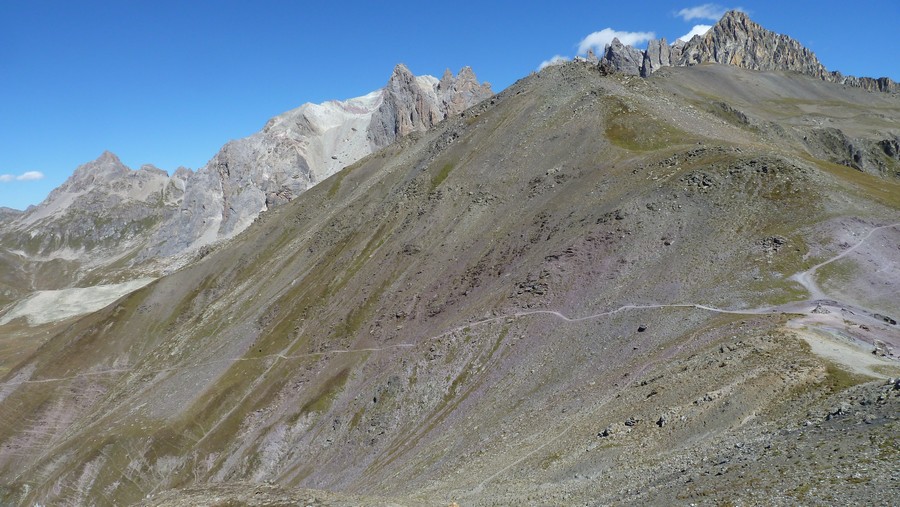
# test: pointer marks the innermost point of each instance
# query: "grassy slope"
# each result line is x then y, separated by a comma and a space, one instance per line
571, 192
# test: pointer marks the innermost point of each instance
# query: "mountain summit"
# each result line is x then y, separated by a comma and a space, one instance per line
737, 40
734, 40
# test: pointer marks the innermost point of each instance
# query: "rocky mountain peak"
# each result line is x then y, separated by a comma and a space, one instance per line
413, 103
734, 40
446, 80
101, 210
737, 16
302, 147
401, 73
737, 40
622, 58
107, 162
104, 168
466, 74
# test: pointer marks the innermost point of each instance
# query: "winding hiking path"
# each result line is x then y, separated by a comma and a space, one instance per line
821, 340
810, 331
805, 278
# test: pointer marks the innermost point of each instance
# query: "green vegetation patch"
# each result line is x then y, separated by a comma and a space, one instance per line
329, 392
635, 130
339, 178
838, 379
439, 178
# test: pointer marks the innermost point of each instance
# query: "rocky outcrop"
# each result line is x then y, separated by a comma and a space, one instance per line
876, 157
302, 147
734, 40
103, 207
881, 84
411, 103
658, 55
621, 58
737, 40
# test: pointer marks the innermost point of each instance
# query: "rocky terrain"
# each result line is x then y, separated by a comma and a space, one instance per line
300, 148
87, 229
735, 40
108, 223
591, 288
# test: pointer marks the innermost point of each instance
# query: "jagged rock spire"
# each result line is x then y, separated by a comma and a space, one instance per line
737, 40
733, 40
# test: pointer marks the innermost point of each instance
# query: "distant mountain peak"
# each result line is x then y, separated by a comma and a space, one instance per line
108, 156
739, 41
736, 15
401, 70
734, 40
106, 163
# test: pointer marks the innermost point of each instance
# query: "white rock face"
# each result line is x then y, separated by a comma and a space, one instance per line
106, 211
299, 148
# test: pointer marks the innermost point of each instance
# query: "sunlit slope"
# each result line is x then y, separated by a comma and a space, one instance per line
410, 328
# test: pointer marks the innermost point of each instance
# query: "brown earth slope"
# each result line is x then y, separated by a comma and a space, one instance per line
518, 306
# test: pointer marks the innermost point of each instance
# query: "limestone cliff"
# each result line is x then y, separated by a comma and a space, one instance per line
302, 147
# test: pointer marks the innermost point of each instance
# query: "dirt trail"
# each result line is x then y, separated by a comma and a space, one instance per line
807, 278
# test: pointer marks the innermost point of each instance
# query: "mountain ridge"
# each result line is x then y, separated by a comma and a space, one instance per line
564, 296
588, 289
734, 40
192, 209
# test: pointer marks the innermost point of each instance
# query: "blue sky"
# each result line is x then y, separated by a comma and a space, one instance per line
169, 82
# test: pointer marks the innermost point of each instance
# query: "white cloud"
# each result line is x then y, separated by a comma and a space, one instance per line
556, 60
31, 176
26, 176
705, 11
598, 40
697, 30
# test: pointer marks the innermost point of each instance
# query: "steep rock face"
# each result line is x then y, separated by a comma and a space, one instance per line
866, 155
622, 58
460, 93
739, 41
657, 55
300, 148
103, 205
734, 40
413, 103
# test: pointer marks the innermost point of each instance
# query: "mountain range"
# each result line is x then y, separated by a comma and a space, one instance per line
107, 215
592, 288
735, 40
